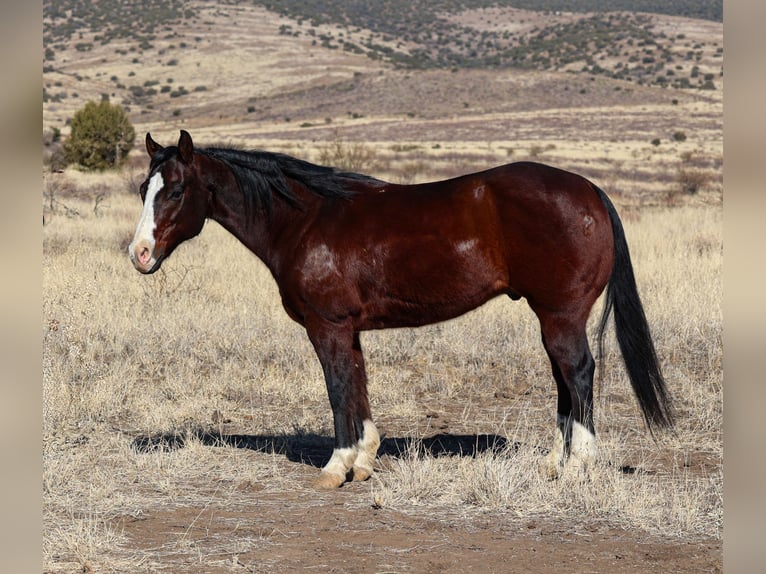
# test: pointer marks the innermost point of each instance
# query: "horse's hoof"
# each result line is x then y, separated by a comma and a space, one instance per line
328, 481
551, 469
361, 474
581, 466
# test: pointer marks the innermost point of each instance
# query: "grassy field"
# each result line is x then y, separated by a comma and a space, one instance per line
184, 414
203, 352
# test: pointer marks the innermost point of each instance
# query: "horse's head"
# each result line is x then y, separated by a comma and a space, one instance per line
176, 203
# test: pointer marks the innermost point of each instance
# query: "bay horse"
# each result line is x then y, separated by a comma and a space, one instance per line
352, 253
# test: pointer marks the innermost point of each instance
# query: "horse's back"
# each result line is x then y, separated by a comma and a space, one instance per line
411, 255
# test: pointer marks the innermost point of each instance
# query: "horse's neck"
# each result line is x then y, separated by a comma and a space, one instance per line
265, 229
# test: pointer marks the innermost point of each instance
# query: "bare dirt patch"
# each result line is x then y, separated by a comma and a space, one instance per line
274, 523
342, 532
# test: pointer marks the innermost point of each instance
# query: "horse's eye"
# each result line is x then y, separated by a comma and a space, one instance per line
142, 190
177, 191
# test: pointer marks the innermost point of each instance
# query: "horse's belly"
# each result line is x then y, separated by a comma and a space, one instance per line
430, 303
413, 281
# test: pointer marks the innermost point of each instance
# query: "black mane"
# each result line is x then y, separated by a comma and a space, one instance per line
262, 174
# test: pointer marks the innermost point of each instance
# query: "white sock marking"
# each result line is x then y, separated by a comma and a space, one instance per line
341, 461
555, 458
583, 443
367, 447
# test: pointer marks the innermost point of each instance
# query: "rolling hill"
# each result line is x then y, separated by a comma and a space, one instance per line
457, 85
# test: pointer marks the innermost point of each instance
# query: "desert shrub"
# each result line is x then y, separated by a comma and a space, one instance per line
353, 156
691, 180
536, 150
56, 161
101, 136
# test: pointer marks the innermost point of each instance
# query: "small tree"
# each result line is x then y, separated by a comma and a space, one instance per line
101, 136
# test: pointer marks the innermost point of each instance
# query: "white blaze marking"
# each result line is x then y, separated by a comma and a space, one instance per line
146, 224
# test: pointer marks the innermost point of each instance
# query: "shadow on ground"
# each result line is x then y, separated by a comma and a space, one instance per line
315, 450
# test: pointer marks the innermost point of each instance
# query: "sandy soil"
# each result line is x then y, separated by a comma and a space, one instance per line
351, 530
342, 532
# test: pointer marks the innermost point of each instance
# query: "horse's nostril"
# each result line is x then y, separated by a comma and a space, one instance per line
144, 256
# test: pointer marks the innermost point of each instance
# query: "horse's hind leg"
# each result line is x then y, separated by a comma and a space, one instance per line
562, 441
573, 367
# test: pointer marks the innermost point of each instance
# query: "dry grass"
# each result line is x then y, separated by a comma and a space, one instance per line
205, 344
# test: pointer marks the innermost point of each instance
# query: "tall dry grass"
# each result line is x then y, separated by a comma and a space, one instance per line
205, 343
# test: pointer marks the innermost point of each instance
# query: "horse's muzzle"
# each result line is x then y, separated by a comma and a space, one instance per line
143, 258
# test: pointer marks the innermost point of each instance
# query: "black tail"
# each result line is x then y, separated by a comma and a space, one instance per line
632, 329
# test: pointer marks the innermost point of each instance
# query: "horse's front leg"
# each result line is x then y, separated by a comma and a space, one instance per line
356, 439
369, 441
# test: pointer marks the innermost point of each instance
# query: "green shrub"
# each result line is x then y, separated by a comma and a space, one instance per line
101, 136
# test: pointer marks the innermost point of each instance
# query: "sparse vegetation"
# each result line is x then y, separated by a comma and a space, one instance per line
350, 156
219, 342
112, 19
433, 40
422, 34
184, 414
691, 180
101, 136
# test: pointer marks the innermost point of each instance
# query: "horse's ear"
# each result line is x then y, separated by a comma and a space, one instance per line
185, 147
152, 147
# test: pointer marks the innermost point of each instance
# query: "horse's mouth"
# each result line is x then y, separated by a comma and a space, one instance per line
156, 265
143, 269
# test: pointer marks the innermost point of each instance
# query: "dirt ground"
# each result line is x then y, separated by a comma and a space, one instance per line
347, 531
292, 528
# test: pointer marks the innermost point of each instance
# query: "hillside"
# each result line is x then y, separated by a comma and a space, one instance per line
531, 35
582, 85
141, 54
630, 45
